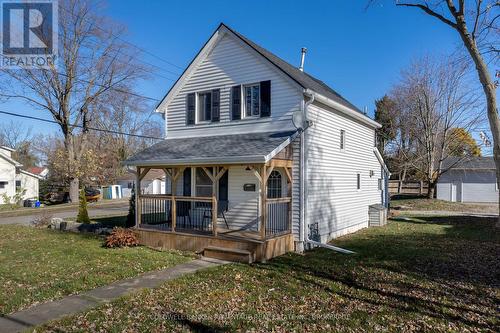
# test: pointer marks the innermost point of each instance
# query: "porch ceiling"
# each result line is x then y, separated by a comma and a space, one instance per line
220, 149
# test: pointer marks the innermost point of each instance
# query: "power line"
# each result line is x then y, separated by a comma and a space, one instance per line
80, 126
125, 41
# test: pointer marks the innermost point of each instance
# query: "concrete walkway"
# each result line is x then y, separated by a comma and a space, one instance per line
39, 314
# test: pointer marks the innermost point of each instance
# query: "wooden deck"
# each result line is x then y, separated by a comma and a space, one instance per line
259, 250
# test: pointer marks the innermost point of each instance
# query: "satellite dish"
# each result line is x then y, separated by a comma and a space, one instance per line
298, 120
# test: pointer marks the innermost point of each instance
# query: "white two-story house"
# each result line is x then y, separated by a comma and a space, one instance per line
283, 159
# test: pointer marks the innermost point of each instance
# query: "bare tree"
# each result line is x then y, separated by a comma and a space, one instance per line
434, 98
91, 61
12, 134
476, 22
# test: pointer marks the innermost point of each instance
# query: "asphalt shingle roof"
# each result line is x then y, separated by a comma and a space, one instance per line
302, 78
469, 163
221, 149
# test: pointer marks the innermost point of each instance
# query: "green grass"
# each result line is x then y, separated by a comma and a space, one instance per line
419, 203
38, 265
437, 274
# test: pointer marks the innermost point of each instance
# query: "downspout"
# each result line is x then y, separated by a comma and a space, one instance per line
303, 230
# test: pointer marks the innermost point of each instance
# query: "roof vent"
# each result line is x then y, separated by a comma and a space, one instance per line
302, 58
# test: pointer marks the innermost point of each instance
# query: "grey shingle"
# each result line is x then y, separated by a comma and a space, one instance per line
469, 163
302, 78
222, 149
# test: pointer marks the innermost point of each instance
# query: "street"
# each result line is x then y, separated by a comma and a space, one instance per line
93, 212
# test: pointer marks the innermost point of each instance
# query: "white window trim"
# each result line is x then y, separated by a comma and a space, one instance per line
243, 103
196, 99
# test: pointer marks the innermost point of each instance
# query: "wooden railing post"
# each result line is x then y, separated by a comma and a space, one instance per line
137, 198
174, 213
214, 215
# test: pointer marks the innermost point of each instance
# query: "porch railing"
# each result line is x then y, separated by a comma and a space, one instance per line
279, 218
177, 214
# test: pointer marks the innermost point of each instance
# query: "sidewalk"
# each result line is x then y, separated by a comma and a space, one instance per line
39, 314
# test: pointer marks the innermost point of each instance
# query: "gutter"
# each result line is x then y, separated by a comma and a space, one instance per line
303, 234
344, 109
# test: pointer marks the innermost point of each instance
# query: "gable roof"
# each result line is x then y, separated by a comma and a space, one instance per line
469, 163
11, 160
303, 79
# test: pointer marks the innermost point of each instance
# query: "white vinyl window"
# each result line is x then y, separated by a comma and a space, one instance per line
204, 107
251, 95
342, 139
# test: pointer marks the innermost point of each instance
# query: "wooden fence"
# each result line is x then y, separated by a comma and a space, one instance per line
407, 187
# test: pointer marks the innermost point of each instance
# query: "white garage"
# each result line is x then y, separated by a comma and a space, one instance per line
468, 180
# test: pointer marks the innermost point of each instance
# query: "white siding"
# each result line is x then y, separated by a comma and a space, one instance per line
30, 184
7, 174
231, 62
476, 186
243, 206
333, 200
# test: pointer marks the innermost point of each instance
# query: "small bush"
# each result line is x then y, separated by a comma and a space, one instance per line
83, 214
121, 237
42, 220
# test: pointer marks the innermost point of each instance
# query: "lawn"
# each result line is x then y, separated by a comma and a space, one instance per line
436, 274
38, 265
419, 203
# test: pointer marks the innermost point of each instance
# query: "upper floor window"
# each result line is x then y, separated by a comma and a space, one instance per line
342, 139
204, 107
252, 100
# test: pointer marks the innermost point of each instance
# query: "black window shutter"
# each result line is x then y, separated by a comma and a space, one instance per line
215, 105
190, 112
265, 98
236, 103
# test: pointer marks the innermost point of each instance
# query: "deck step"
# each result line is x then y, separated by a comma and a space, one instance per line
234, 255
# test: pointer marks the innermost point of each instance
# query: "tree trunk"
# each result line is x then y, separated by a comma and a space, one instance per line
489, 91
74, 182
431, 189
74, 188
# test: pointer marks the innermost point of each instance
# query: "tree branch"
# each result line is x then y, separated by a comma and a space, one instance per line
429, 11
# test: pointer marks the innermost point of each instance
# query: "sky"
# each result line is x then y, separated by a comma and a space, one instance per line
358, 51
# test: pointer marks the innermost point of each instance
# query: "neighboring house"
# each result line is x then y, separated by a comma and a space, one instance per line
42, 172
234, 145
468, 180
13, 178
152, 183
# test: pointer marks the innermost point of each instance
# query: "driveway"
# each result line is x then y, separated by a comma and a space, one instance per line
93, 212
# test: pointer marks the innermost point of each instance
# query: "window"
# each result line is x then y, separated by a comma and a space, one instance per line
342, 139
18, 185
359, 181
252, 100
203, 183
274, 185
204, 107
380, 184
3, 184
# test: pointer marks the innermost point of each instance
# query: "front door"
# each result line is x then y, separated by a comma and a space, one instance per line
224, 192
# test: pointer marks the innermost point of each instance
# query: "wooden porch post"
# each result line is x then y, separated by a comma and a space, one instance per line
137, 194
263, 201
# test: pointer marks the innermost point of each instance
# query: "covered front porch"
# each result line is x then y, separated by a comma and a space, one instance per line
228, 210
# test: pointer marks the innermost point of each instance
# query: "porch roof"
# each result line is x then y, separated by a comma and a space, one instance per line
220, 149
